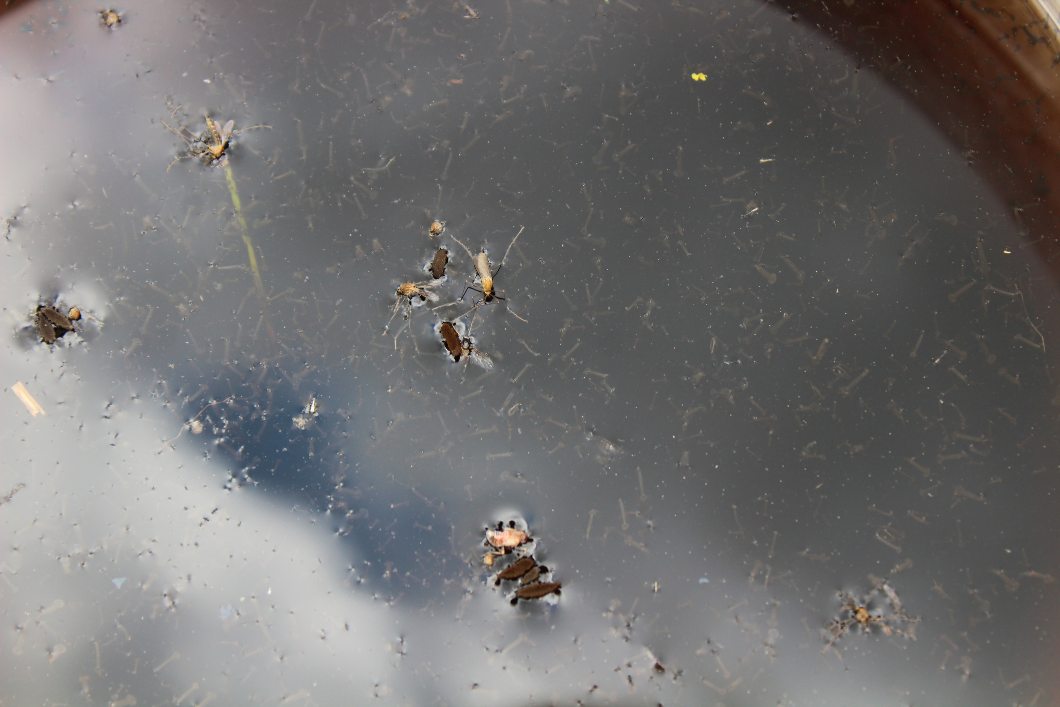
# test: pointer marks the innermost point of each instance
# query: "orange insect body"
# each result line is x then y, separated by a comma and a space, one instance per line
410, 290
484, 270
405, 294
220, 139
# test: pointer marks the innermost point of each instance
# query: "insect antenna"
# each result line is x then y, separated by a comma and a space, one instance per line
521, 229
466, 249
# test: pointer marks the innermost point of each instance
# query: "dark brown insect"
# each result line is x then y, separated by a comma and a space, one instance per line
457, 346
451, 339
537, 590
52, 324
517, 569
110, 18
441, 258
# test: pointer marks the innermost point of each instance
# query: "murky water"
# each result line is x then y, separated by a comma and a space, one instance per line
769, 356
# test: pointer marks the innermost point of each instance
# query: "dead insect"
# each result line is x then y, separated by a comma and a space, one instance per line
436, 228
867, 617
52, 324
110, 18
483, 270
74, 314
477, 357
451, 339
469, 13
517, 569
506, 538
458, 346
536, 590
212, 145
406, 293
215, 148
438, 263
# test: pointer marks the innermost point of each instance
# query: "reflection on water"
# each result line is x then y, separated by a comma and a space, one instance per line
769, 383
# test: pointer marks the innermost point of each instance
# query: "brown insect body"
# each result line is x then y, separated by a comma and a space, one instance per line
517, 569
47, 331
438, 263
52, 324
538, 590
57, 318
458, 346
110, 18
436, 228
451, 339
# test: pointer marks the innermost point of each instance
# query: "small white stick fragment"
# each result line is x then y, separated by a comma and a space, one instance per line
32, 405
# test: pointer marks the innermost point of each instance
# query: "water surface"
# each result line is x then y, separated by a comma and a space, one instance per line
766, 340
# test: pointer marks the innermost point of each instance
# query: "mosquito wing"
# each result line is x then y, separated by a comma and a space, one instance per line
480, 359
226, 131
482, 265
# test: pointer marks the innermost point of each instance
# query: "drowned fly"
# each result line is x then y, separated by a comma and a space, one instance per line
484, 271
458, 346
211, 147
407, 292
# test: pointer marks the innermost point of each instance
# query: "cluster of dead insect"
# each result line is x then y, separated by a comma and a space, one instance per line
880, 611
457, 344
53, 324
513, 542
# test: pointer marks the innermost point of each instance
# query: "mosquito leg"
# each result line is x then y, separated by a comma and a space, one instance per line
396, 335
472, 288
393, 313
